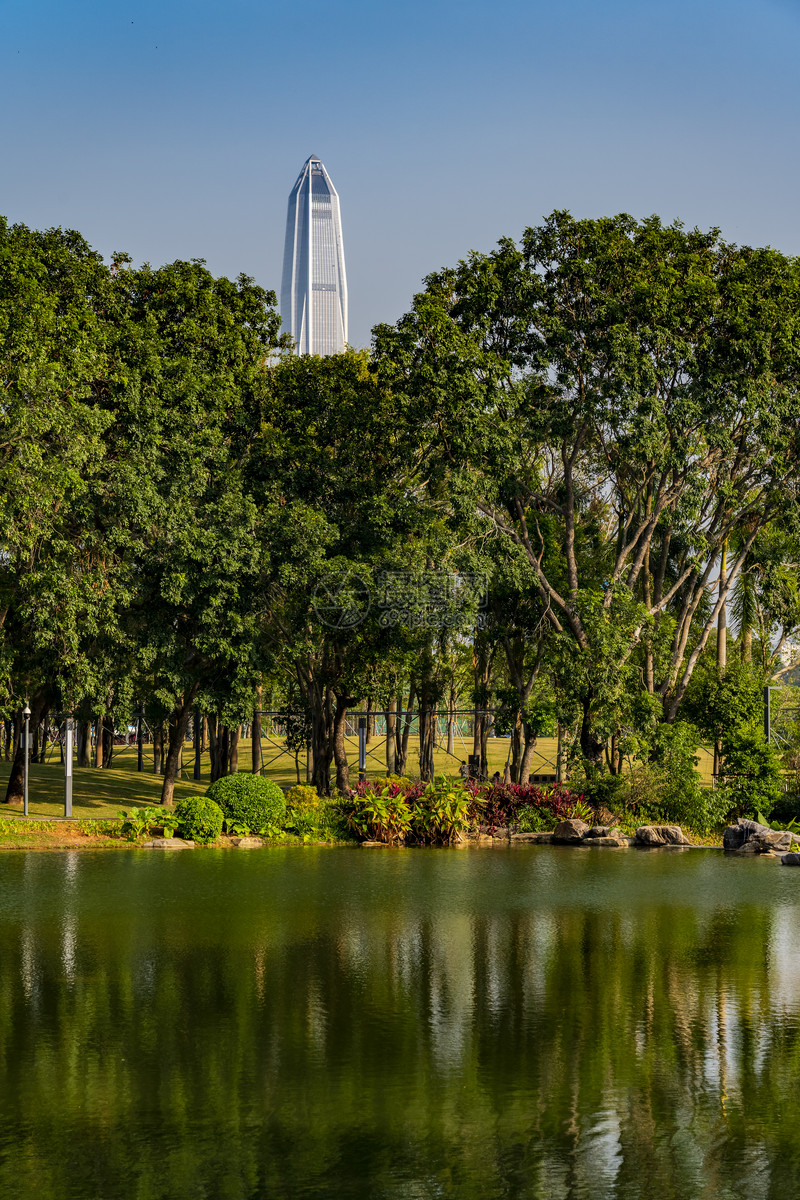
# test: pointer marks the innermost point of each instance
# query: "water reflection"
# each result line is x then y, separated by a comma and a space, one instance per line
539, 1025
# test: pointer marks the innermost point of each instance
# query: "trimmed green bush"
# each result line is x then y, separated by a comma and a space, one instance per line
250, 800
302, 795
199, 819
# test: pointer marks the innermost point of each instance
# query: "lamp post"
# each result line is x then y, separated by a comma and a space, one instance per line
26, 712
70, 724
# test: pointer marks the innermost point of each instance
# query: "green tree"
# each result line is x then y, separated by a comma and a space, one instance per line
615, 397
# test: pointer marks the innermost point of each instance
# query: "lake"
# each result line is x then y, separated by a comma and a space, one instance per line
525, 1022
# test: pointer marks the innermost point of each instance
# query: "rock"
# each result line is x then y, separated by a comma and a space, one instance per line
734, 837
369, 845
774, 839
244, 843
607, 840
661, 835
748, 848
570, 832
604, 816
599, 831
540, 838
791, 860
765, 841
495, 831
168, 844
737, 836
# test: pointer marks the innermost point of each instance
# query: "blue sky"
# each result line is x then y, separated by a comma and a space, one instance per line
176, 130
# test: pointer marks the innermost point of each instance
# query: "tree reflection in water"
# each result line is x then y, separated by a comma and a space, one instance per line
522, 1023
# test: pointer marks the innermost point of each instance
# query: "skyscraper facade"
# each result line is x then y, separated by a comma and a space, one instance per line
314, 287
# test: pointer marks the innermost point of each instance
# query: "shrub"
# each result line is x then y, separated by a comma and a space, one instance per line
786, 810
442, 812
199, 819
751, 780
302, 795
250, 800
500, 804
603, 790
531, 819
312, 816
395, 783
377, 816
139, 821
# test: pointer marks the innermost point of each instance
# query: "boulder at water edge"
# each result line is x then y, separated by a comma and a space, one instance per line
750, 837
610, 841
168, 844
661, 835
791, 860
736, 836
570, 832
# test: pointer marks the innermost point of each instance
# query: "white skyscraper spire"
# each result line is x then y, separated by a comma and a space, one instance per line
314, 288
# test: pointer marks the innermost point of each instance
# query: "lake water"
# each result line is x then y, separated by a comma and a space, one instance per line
531, 1022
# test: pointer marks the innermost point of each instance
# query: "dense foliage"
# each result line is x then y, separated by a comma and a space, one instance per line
250, 801
541, 497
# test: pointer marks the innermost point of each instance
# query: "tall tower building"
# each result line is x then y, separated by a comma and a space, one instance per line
314, 287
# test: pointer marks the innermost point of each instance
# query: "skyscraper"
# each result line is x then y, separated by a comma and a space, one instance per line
314, 287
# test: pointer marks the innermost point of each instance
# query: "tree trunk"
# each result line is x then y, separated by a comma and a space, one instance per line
177, 732
15, 788
516, 751
722, 619
391, 745
108, 740
427, 740
98, 742
255, 737
403, 734
451, 722
528, 751
16, 780
322, 742
482, 657
591, 749
560, 754
224, 749
233, 750
84, 740
158, 746
7, 738
339, 746
485, 747
212, 726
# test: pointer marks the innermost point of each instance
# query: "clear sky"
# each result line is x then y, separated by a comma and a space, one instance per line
176, 130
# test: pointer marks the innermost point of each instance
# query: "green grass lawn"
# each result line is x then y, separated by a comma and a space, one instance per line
101, 794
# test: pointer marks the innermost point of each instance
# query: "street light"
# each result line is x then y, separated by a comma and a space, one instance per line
26, 712
68, 733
